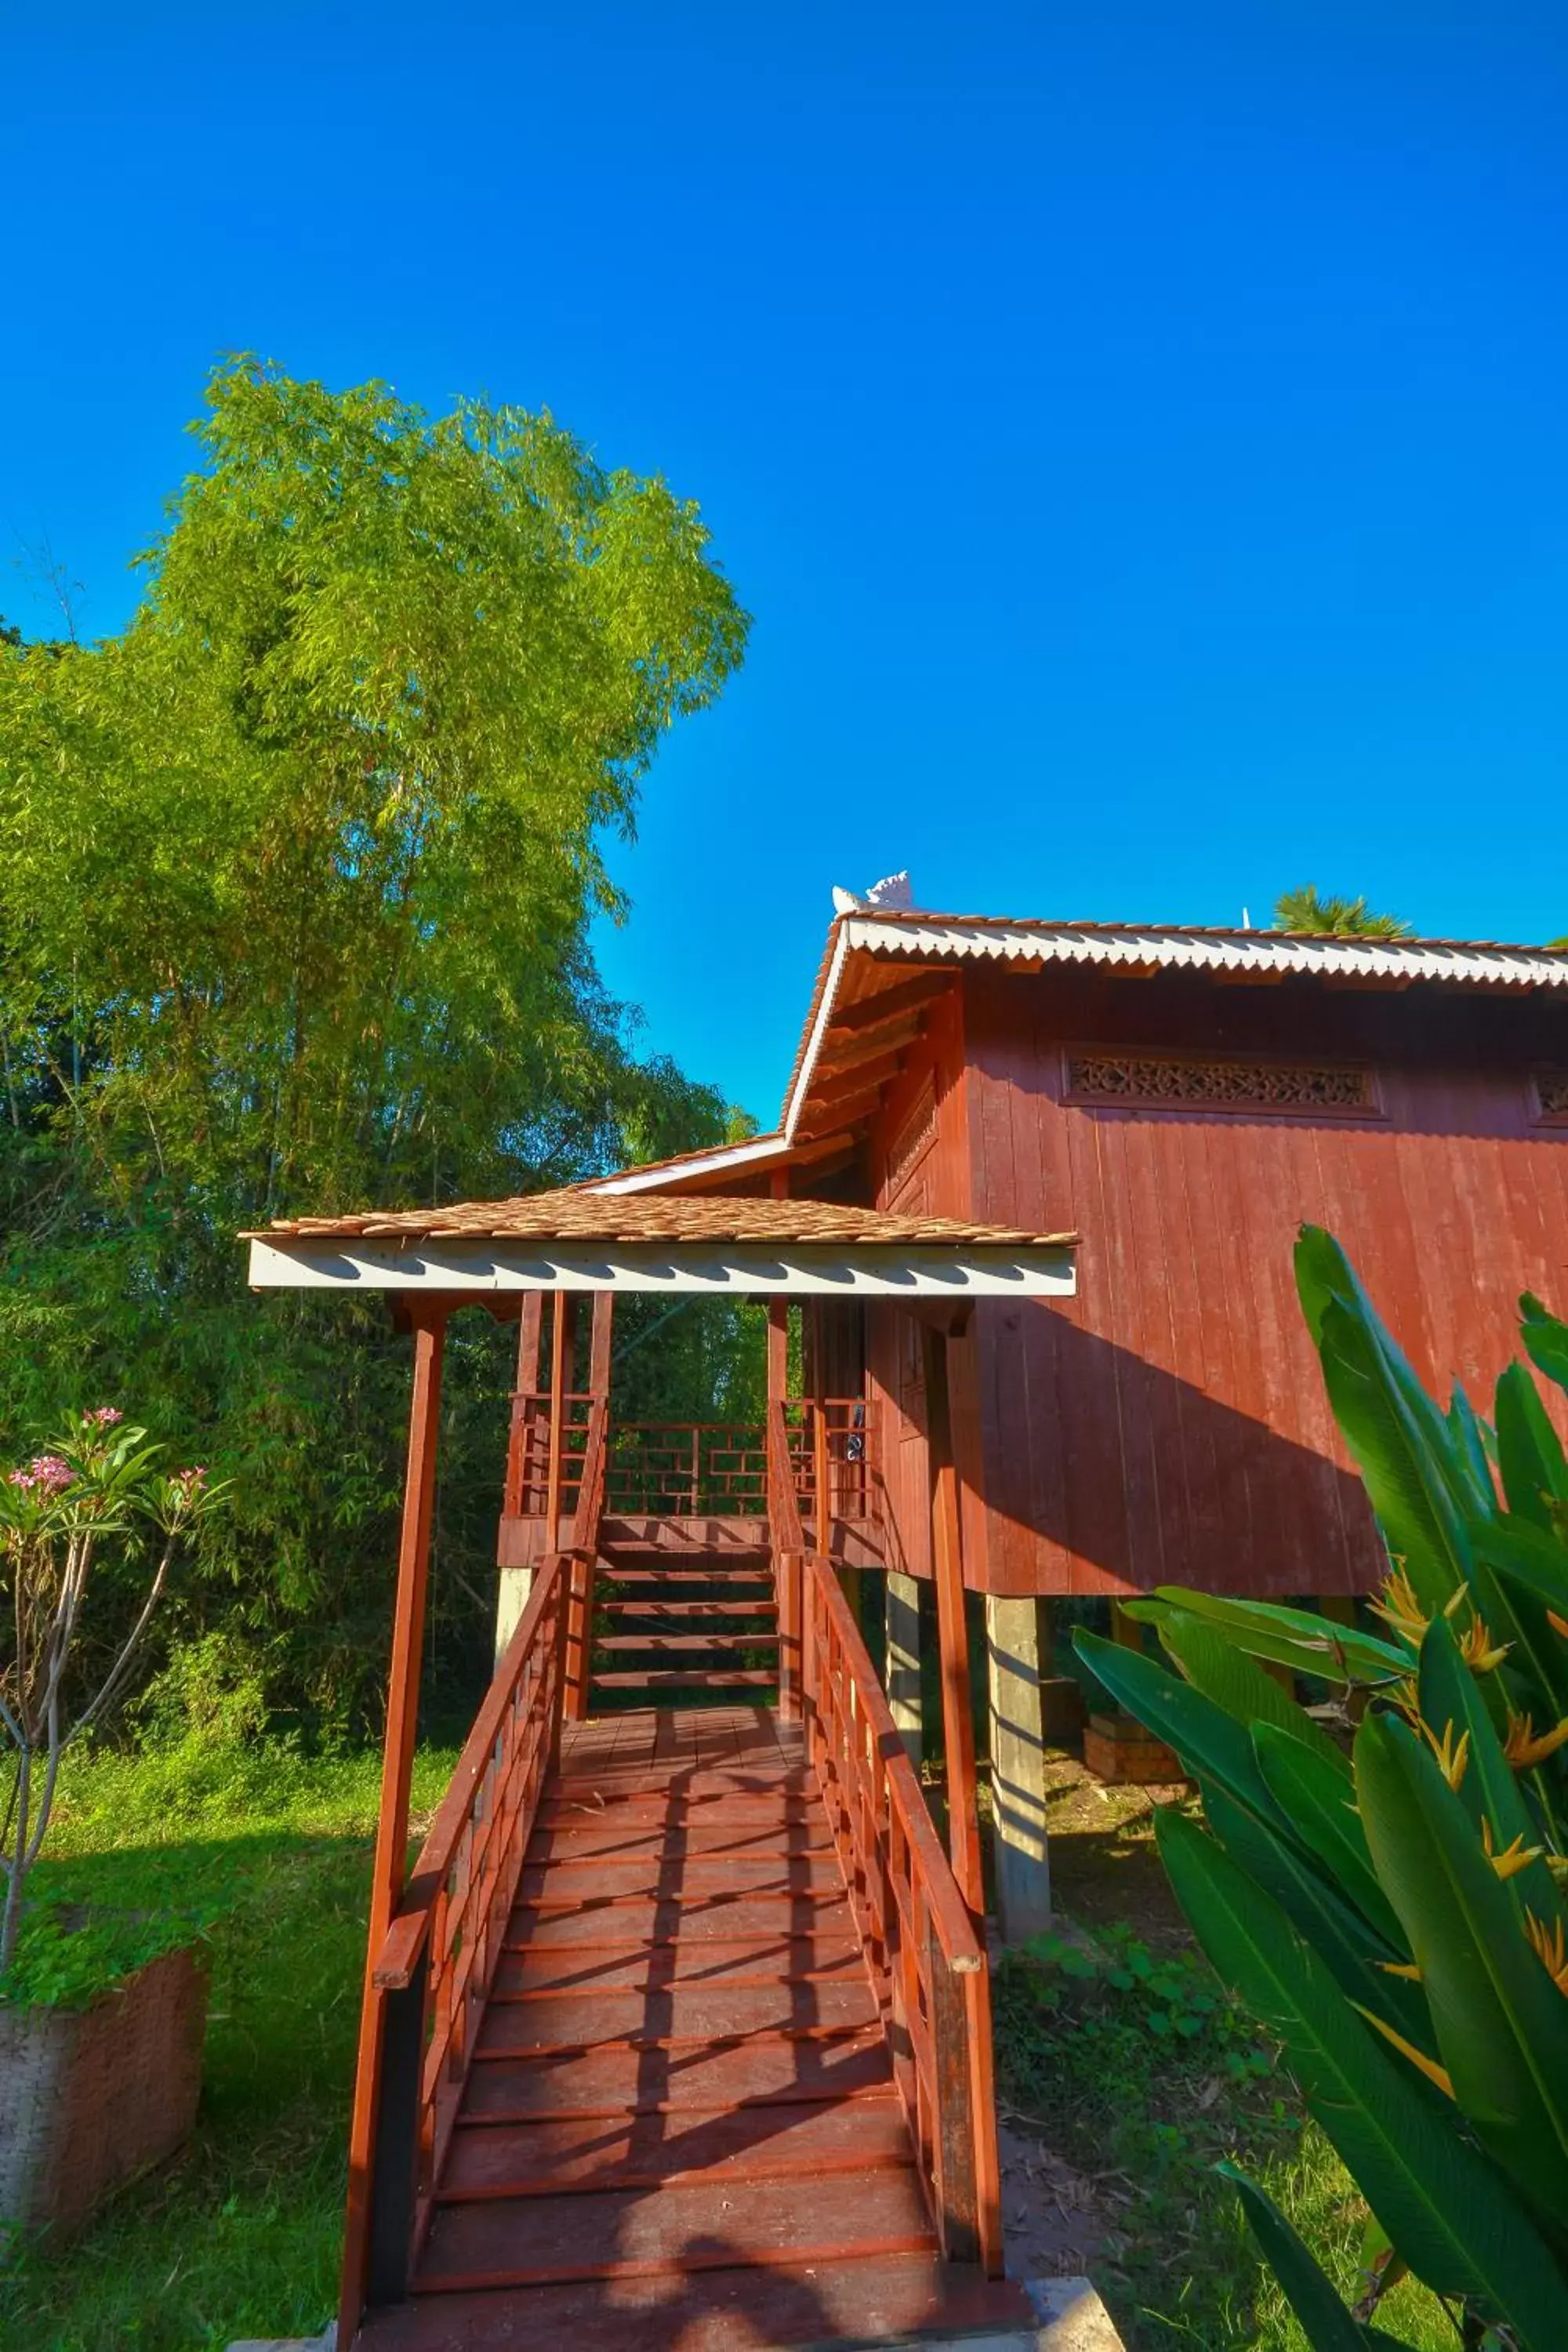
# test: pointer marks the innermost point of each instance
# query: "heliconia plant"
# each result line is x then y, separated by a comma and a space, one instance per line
1382, 1876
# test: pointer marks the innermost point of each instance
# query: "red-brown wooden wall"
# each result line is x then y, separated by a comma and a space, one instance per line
1169, 1424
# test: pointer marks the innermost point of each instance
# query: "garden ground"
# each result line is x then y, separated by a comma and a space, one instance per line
1124, 2075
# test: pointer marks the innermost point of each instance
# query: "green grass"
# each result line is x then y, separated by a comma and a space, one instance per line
240, 2235
1144, 2075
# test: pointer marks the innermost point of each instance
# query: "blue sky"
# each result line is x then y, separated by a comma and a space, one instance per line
1140, 433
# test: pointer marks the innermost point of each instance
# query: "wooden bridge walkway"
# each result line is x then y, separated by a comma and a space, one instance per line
680, 2126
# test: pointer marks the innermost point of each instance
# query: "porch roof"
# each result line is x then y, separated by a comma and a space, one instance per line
579, 1240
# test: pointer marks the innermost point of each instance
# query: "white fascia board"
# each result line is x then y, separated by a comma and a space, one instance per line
711, 1163
747, 1269
825, 1011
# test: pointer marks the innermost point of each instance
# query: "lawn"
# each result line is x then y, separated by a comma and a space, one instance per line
1124, 2075
240, 2235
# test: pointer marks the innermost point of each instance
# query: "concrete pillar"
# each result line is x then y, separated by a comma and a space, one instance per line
1017, 1649
901, 1618
512, 1599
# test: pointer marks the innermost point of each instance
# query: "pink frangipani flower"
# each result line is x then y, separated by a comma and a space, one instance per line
104, 1417
46, 1474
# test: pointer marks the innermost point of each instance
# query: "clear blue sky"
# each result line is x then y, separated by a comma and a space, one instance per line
1140, 432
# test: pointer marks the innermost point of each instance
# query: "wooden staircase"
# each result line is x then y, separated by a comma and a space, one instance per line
680, 2127
676, 1612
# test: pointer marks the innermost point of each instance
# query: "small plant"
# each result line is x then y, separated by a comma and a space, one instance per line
99, 1485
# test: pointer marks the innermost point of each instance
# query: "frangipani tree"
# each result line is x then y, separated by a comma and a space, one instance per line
101, 1485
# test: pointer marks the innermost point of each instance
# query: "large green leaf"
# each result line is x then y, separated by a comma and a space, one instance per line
1470, 1435
1298, 1638
1210, 1743
1318, 1800
1454, 2217
1212, 1664
1417, 1470
1524, 1585
1529, 1451
1311, 2294
1401, 1453
1500, 2022
1452, 1705
1545, 1339
1336, 1932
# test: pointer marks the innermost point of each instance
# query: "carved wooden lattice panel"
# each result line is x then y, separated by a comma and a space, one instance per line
1552, 1094
912, 1141
1172, 1083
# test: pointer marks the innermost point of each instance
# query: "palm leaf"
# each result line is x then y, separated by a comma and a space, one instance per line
1311, 2294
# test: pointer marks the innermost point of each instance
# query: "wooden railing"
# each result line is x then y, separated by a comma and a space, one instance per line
786, 1541
687, 1469
926, 1960
435, 1967
528, 1486
588, 1511
832, 1446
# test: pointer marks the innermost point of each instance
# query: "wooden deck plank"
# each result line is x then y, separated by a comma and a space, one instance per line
701, 2224
639, 1918
554, 2154
617, 2080
883, 2298
690, 2013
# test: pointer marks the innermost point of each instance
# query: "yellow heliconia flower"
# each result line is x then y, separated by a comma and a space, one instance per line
1401, 1969
1558, 1624
1478, 1650
1429, 2067
1514, 1858
1399, 1607
1524, 1748
1550, 1949
1451, 1758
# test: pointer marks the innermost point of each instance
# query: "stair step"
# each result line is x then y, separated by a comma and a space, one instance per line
686, 2228
616, 2079
687, 1608
875, 2299
769, 1838
705, 1642
758, 1678
583, 1972
554, 2154
690, 2013
681, 1576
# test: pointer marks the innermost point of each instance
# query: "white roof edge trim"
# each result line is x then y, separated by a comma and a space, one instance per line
1224, 951
818, 1030
954, 1270
724, 1155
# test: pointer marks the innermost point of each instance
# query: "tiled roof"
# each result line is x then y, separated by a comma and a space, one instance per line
914, 938
574, 1215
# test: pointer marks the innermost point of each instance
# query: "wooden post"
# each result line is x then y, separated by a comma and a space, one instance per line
515, 1584
822, 1472
778, 1349
561, 1348
952, 1632
391, 1863
599, 1344
788, 1587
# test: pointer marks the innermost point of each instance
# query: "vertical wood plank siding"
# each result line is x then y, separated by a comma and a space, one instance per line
1170, 1424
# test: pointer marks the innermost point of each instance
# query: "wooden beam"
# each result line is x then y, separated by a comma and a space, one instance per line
853, 1106
953, 1630
887, 1001
874, 1072
390, 1866
778, 1349
864, 1046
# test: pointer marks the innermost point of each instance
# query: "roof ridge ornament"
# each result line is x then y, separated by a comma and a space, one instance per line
891, 896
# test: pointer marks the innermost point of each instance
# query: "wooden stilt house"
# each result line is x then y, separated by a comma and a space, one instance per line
665, 1979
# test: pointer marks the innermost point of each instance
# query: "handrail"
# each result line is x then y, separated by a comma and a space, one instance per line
436, 1962
784, 1503
928, 1963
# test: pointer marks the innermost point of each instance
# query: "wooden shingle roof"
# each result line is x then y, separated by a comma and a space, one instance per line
574, 1215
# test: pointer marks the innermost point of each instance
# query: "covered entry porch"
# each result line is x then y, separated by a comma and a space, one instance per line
661, 1973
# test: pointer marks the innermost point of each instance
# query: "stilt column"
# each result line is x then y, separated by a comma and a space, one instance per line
1017, 1658
902, 1622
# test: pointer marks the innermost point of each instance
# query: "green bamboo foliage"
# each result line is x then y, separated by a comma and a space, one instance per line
1382, 1874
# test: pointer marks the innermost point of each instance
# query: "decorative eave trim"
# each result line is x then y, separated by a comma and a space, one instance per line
796, 1270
